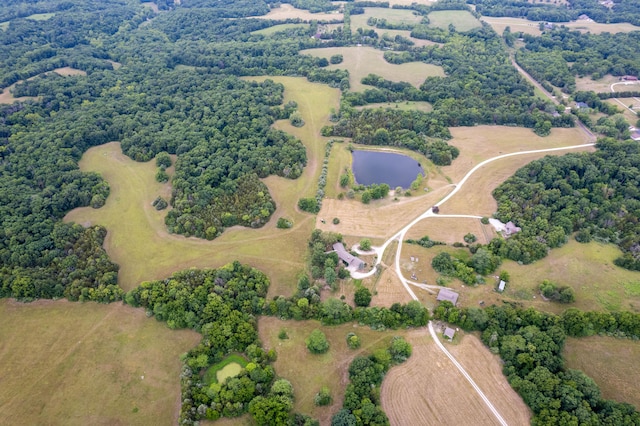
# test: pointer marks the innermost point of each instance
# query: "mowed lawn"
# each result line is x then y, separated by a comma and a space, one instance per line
67, 363
428, 390
611, 362
307, 372
462, 20
361, 61
139, 242
533, 27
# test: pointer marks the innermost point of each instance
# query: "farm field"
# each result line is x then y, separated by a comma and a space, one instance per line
631, 115
611, 362
450, 230
41, 16
4, 25
278, 28
286, 11
361, 61
139, 242
393, 16
67, 71
601, 85
428, 390
463, 20
296, 364
532, 27
86, 363
6, 97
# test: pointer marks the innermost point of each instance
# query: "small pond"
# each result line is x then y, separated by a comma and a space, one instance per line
385, 167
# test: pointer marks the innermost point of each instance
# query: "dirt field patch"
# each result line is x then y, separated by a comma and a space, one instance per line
41, 16
361, 61
307, 372
86, 363
286, 11
429, 390
612, 363
66, 71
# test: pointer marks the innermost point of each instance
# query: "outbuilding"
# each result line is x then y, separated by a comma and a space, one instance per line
352, 261
448, 295
449, 333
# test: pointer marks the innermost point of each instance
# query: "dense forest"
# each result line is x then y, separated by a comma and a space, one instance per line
594, 195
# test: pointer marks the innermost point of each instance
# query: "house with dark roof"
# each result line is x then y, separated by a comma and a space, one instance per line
448, 295
352, 261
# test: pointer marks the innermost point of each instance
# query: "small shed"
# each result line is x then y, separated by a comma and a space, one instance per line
582, 105
501, 286
449, 333
510, 228
351, 260
448, 295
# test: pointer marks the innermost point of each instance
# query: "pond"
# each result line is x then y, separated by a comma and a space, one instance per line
395, 170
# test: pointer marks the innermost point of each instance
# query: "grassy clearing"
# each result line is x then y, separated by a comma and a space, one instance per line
4, 25
308, 373
404, 33
41, 16
286, 11
532, 27
451, 230
612, 363
393, 16
588, 269
67, 71
228, 367
429, 390
6, 97
462, 20
631, 115
278, 28
151, 5
601, 85
361, 61
139, 242
85, 363
402, 106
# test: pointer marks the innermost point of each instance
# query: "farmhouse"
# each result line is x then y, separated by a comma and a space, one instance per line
448, 295
449, 333
351, 261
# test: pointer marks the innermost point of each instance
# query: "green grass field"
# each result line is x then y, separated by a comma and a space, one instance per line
402, 106
360, 61
41, 16
393, 16
612, 363
137, 238
228, 367
532, 27
462, 20
307, 372
86, 363
278, 28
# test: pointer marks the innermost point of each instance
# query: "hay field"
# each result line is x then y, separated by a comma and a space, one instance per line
450, 230
393, 16
462, 20
612, 363
86, 363
307, 372
286, 11
67, 71
4, 25
278, 28
137, 238
429, 390
404, 33
587, 268
630, 114
6, 97
389, 290
532, 27
41, 16
361, 61
596, 28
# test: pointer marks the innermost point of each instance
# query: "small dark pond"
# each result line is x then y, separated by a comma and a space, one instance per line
385, 167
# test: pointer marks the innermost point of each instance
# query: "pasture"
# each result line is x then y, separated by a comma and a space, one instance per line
611, 362
87, 363
137, 238
462, 20
361, 61
601, 85
451, 230
4, 25
532, 27
307, 372
68, 71
6, 97
403, 33
286, 11
41, 16
393, 16
278, 29
428, 390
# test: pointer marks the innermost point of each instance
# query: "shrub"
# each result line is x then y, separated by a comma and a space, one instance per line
308, 205
484, 220
159, 203
353, 341
336, 221
365, 244
296, 119
284, 223
317, 342
162, 176
323, 397
163, 160
336, 59
282, 335
362, 297
470, 238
